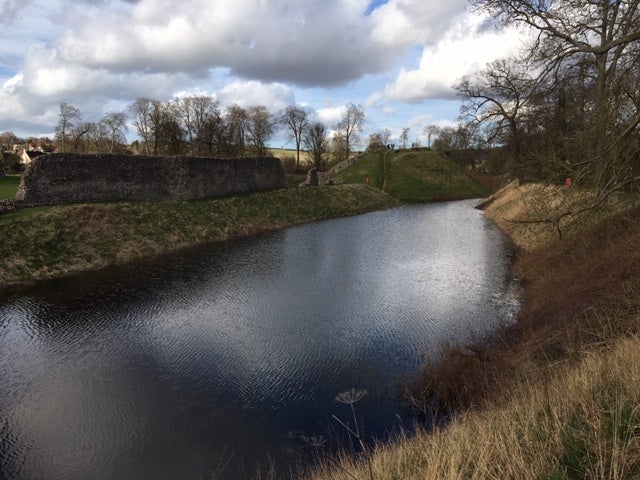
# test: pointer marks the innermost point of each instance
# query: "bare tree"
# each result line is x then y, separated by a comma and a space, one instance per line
183, 107
236, 125
446, 139
197, 115
316, 142
385, 136
67, 117
379, 140
498, 96
260, 128
162, 126
211, 133
404, 137
8, 139
80, 132
115, 124
600, 39
170, 135
296, 119
142, 110
338, 148
206, 122
349, 127
431, 130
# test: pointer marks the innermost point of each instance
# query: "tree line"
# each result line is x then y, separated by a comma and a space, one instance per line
197, 125
568, 105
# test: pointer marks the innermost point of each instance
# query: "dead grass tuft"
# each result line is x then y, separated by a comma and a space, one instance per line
581, 421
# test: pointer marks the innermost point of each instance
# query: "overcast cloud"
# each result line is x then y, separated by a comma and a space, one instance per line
399, 58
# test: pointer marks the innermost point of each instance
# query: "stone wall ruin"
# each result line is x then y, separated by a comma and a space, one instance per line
78, 178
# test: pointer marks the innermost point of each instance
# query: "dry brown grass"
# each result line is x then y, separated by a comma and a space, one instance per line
527, 213
580, 294
580, 422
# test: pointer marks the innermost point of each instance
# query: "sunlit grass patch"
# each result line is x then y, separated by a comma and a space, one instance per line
370, 167
522, 211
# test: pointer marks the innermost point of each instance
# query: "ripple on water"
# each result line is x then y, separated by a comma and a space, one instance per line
162, 368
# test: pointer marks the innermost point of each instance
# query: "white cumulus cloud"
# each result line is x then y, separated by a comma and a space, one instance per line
100, 54
464, 49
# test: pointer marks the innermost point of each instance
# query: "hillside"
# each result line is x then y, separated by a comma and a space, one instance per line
288, 158
414, 176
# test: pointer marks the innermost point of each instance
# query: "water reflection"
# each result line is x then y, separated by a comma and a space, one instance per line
226, 355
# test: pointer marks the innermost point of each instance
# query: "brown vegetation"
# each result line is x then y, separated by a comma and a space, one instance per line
579, 294
580, 423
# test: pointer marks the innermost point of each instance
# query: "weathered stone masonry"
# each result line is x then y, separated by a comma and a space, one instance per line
75, 178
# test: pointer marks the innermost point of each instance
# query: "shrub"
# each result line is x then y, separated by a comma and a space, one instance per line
12, 163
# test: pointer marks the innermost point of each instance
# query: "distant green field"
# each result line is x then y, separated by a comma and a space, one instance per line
283, 153
9, 186
414, 176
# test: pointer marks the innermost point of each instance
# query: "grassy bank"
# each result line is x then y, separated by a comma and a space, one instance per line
414, 176
46, 242
515, 209
555, 396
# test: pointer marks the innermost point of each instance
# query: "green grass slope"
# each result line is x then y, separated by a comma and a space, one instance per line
46, 242
414, 176
371, 167
9, 186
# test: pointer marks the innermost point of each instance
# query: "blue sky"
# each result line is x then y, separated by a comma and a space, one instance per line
396, 58
373, 5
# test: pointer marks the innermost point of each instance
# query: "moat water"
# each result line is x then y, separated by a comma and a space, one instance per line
207, 363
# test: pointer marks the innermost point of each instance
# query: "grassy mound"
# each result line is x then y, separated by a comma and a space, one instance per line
414, 176
46, 242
